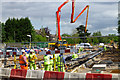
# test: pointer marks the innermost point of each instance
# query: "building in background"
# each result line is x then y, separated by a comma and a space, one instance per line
46, 32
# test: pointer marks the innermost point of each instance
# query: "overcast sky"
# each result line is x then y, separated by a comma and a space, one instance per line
102, 15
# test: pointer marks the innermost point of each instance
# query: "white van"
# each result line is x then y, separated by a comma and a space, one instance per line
84, 45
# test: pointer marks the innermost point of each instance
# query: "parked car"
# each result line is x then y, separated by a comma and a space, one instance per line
36, 49
84, 45
13, 49
23, 48
0, 50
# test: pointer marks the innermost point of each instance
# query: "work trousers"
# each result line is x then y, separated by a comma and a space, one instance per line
24, 67
50, 68
61, 69
46, 67
32, 65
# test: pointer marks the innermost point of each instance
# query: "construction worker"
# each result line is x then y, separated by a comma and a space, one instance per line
23, 60
105, 48
32, 58
75, 55
61, 63
46, 62
42, 67
56, 55
51, 64
80, 49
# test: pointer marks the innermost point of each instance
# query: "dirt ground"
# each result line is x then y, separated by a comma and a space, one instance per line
113, 55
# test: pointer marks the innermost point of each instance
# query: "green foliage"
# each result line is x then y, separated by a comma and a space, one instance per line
39, 38
43, 32
114, 37
16, 30
94, 40
81, 32
69, 40
0, 32
97, 40
66, 35
76, 40
3, 32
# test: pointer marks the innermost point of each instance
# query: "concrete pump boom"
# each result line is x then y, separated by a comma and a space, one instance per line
72, 16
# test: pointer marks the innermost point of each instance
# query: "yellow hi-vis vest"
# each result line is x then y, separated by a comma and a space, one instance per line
32, 58
56, 56
60, 61
74, 56
51, 61
46, 60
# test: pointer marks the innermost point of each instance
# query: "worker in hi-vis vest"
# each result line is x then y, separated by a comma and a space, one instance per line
46, 62
105, 47
23, 60
80, 49
61, 63
51, 64
32, 58
75, 55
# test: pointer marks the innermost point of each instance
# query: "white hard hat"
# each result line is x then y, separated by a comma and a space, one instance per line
31, 50
22, 50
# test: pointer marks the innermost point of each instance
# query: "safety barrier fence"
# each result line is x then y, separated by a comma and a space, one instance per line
20, 74
42, 52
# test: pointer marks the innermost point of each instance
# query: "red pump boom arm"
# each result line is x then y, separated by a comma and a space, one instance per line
72, 16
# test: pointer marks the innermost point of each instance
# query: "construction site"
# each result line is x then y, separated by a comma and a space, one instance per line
81, 57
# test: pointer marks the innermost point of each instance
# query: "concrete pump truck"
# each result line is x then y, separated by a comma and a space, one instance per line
63, 43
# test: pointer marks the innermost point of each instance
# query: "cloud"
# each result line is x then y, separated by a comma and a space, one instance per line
101, 15
110, 30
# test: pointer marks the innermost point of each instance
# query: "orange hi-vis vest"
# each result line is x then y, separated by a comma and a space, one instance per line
21, 61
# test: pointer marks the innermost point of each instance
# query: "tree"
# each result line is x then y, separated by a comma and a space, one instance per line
0, 32
75, 34
81, 32
75, 40
69, 40
16, 30
97, 40
3, 33
114, 37
39, 38
119, 33
44, 31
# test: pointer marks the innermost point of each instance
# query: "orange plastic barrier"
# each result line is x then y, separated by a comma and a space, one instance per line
53, 75
7, 53
1, 53
18, 74
14, 53
97, 76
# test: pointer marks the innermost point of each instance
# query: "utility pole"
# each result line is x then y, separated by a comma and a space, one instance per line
30, 40
47, 37
14, 51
